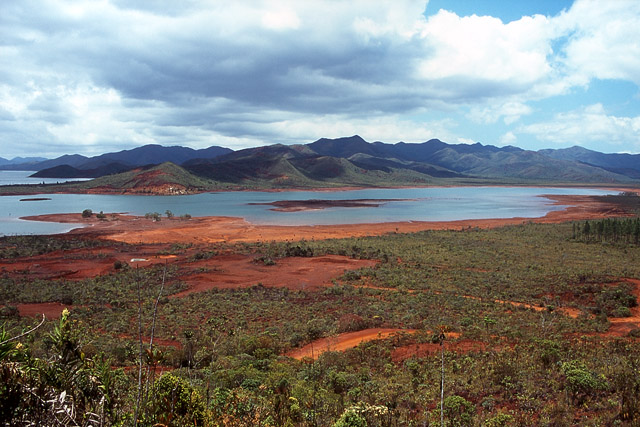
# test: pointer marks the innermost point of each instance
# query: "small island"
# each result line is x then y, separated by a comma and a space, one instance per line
319, 204
35, 199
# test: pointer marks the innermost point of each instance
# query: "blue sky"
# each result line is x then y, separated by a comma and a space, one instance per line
92, 76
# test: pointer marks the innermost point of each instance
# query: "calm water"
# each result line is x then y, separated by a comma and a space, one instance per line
428, 204
22, 177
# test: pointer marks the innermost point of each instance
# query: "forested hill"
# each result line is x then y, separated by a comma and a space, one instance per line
352, 161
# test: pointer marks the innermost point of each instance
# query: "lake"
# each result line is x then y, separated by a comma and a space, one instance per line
424, 204
22, 177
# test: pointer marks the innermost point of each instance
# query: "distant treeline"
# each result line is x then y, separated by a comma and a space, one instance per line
616, 230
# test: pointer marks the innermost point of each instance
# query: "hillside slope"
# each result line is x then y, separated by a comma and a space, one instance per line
341, 162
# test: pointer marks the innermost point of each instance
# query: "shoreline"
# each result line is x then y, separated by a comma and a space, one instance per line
213, 229
146, 192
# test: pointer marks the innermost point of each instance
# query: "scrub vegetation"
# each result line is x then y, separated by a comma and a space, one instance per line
539, 321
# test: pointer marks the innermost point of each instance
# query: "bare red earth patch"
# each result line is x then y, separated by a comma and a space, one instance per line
242, 271
344, 342
52, 310
78, 264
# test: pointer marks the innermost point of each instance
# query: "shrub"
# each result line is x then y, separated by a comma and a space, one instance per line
87, 213
119, 265
351, 419
9, 311
362, 415
580, 380
176, 402
621, 312
153, 215
458, 410
635, 333
500, 420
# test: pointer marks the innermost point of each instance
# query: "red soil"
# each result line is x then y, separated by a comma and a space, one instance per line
241, 271
567, 311
76, 264
344, 342
51, 310
621, 326
220, 272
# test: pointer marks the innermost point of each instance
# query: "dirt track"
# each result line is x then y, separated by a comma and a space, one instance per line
344, 342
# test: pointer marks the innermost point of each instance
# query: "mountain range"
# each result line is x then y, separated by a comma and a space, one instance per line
350, 161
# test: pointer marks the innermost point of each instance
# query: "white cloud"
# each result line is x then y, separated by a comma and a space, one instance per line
508, 138
283, 19
510, 112
603, 39
302, 129
588, 125
483, 48
468, 141
261, 71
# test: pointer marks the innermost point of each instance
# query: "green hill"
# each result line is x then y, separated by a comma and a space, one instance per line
166, 178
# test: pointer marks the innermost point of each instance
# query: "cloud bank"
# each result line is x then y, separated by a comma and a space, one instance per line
94, 76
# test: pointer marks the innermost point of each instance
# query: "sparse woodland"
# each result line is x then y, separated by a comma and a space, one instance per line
126, 353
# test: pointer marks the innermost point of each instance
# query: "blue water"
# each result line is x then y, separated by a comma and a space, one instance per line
427, 204
22, 177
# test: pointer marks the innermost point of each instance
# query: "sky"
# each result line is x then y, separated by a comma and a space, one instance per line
96, 76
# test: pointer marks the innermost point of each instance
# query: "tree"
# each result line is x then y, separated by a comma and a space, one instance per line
87, 213
586, 230
458, 410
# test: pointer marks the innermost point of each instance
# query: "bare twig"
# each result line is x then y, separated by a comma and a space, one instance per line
153, 329
442, 338
24, 333
140, 355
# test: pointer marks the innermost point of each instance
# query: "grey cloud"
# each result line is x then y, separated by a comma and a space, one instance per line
177, 74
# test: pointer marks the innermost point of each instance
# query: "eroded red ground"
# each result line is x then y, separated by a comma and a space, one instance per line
237, 271
242, 271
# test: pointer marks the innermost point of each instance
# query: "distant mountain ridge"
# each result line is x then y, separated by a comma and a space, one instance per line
626, 164
91, 167
20, 161
352, 161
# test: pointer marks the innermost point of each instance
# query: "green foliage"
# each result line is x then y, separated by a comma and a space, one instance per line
153, 215
175, 402
65, 388
87, 213
580, 380
500, 420
458, 411
616, 301
351, 419
233, 358
363, 414
609, 230
28, 246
